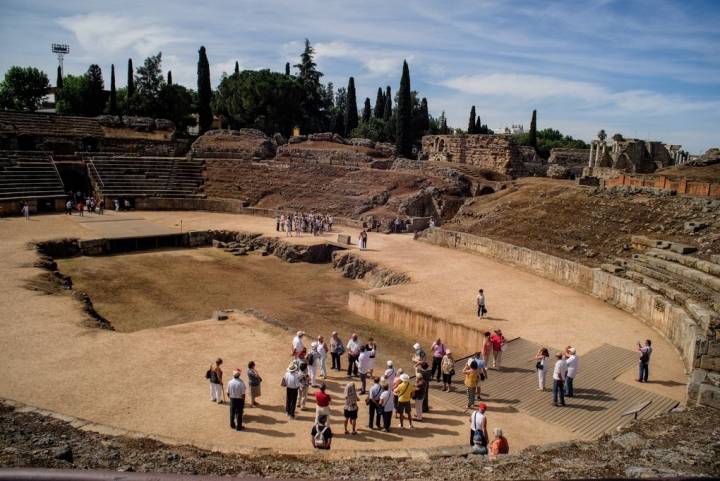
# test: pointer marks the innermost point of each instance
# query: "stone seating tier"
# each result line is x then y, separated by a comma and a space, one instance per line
28, 175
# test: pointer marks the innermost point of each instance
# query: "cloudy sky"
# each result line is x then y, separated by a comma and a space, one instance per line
647, 69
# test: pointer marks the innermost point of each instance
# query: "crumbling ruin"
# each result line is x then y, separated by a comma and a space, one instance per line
498, 153
625, 155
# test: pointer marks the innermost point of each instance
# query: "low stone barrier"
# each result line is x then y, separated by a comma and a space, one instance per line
680, 185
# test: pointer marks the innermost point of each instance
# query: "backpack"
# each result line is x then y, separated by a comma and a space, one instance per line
310, 359
207, 374
319, 440
479, 440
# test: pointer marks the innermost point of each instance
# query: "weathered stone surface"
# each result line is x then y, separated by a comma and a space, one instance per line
499, 153
343, 239
682, 248
711, 363
246, 144
321, 137
556, 171
630, 441
361, 142
296, 139
279, 139
709, 395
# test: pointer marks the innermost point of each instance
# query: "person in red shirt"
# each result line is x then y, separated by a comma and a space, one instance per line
322, 401
498, 345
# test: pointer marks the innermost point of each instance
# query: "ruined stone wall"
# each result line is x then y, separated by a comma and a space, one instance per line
679, 185
499, 153
569, 156
244, 144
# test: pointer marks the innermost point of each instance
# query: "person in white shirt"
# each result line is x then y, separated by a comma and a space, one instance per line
478, 428
297, 344
322, 350
481, 311
364, 366
312, 360
389, 373
572, 370
559, 375
236, 392
291, 382
353, 350
542, 359
387, 404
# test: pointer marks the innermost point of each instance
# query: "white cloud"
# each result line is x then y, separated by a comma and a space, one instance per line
527, 87
377, 62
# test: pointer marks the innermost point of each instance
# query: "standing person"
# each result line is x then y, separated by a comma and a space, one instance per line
559, 374
478, 429
425, 373
542, 358
438, 351
254, 380
25, 210
81, 207
471, 381
322, 350
388, 406
363, 366
297, 344
321, 434
277, 222
322, 402
291, 383
350, 410
498, 345
312, 360
216, 382
487, 349
372, 347
336, 350
289, 226
69, 207
499, 445
101, 206
572, 369
304, 383
419, 395
389, 374
404, 392
448, 370
282, 222
353, 350
645, 352
236, 392
481, 310
481, 372
373, 404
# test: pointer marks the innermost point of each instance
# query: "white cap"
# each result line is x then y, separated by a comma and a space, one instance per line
405, 377
572, 350
313, 344
300, 333
389, 363
416, 346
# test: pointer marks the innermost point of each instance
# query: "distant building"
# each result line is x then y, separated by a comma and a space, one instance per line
514, 129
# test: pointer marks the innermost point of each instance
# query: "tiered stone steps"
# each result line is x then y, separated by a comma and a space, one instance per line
28, 175
599, 401
146, 176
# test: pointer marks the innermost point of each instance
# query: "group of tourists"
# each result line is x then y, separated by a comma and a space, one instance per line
476, 368
299, 223
564, 372
81, 203
236, 390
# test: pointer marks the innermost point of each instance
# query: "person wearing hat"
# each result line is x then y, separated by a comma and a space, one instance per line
448, 370
291, 383
297, 344
478, 429
236, 392
419, 356
389, 374
404, 392
312, 360
571, 361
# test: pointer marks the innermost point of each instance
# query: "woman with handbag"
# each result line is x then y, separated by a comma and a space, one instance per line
419, 395
254, 380
448, 370
541, 363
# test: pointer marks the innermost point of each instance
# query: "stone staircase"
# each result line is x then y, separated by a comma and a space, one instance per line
28, 175
146, 176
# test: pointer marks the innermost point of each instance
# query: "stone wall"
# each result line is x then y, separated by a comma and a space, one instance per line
679, 185
698, 345
245, 144
498, 153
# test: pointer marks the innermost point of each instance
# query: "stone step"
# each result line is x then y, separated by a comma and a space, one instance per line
688, 273
709, 267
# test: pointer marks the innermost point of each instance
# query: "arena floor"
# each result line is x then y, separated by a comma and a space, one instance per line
152, 380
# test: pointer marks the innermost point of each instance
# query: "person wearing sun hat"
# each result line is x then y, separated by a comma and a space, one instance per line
236, 392
291, 383
404, 392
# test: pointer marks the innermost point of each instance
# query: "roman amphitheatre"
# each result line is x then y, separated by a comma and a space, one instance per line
111, 320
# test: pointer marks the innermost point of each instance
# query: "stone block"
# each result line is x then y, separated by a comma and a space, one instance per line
709, 396
713, 348
612, 268
220, 316
692, 227
711, 363
682, 248
344, 239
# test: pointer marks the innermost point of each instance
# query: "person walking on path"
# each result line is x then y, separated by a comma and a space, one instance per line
572, 369
388, 406
481, 310
498, 345
291, 383
254, 380
471, 381
336, 350
25, 210
236, 392
645, 352
404, 392
322, 350
350, 410
542, 358
364, 366
448, 370
478, 430
353, 350
304, 381
438, 351
216, 382
419, 396
322, 402
487, 349
559, 374
373, 403
499, 445
297, 344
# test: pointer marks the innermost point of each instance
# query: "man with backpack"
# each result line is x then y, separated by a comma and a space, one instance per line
321, 434
478, 430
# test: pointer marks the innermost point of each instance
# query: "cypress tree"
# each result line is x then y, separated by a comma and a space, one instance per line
130, 79
403, 136
379, 104
443, 124
169, 77
367, 111
387, 113
287, 68
351, 113
204, 91
113, 92
237, 67
532, 135
478, 126
59, 81
471, 122
424, 116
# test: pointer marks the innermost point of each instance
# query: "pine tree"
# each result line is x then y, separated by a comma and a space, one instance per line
94, 92
169, 77
403, 136
287, 68
367, 111
59, 81
387, 113
424, 116
379, 104
113, 92
351, 113
532, 135
130, 79
204, 91
471, 122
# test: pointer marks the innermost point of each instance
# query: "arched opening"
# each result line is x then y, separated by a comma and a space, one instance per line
486, 190
74, 178
441, 146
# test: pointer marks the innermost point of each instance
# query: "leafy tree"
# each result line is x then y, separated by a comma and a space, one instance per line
315, 105
532, 135
130, 79
367, 110
175, 103
471, 121
379, 104
204, 91
148, 82
169, 77
287, 68
338, 126
548, 139
59, 81
23, 88
403, 135
70, 101
388, 111
374, 129
351, 113
94, 93
113, 93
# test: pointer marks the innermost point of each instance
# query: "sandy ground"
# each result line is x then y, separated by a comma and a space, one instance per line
152, 380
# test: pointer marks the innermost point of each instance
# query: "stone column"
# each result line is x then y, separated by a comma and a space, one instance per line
597, 154
590, 160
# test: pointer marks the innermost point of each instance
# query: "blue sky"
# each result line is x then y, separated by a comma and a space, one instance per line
647, 69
